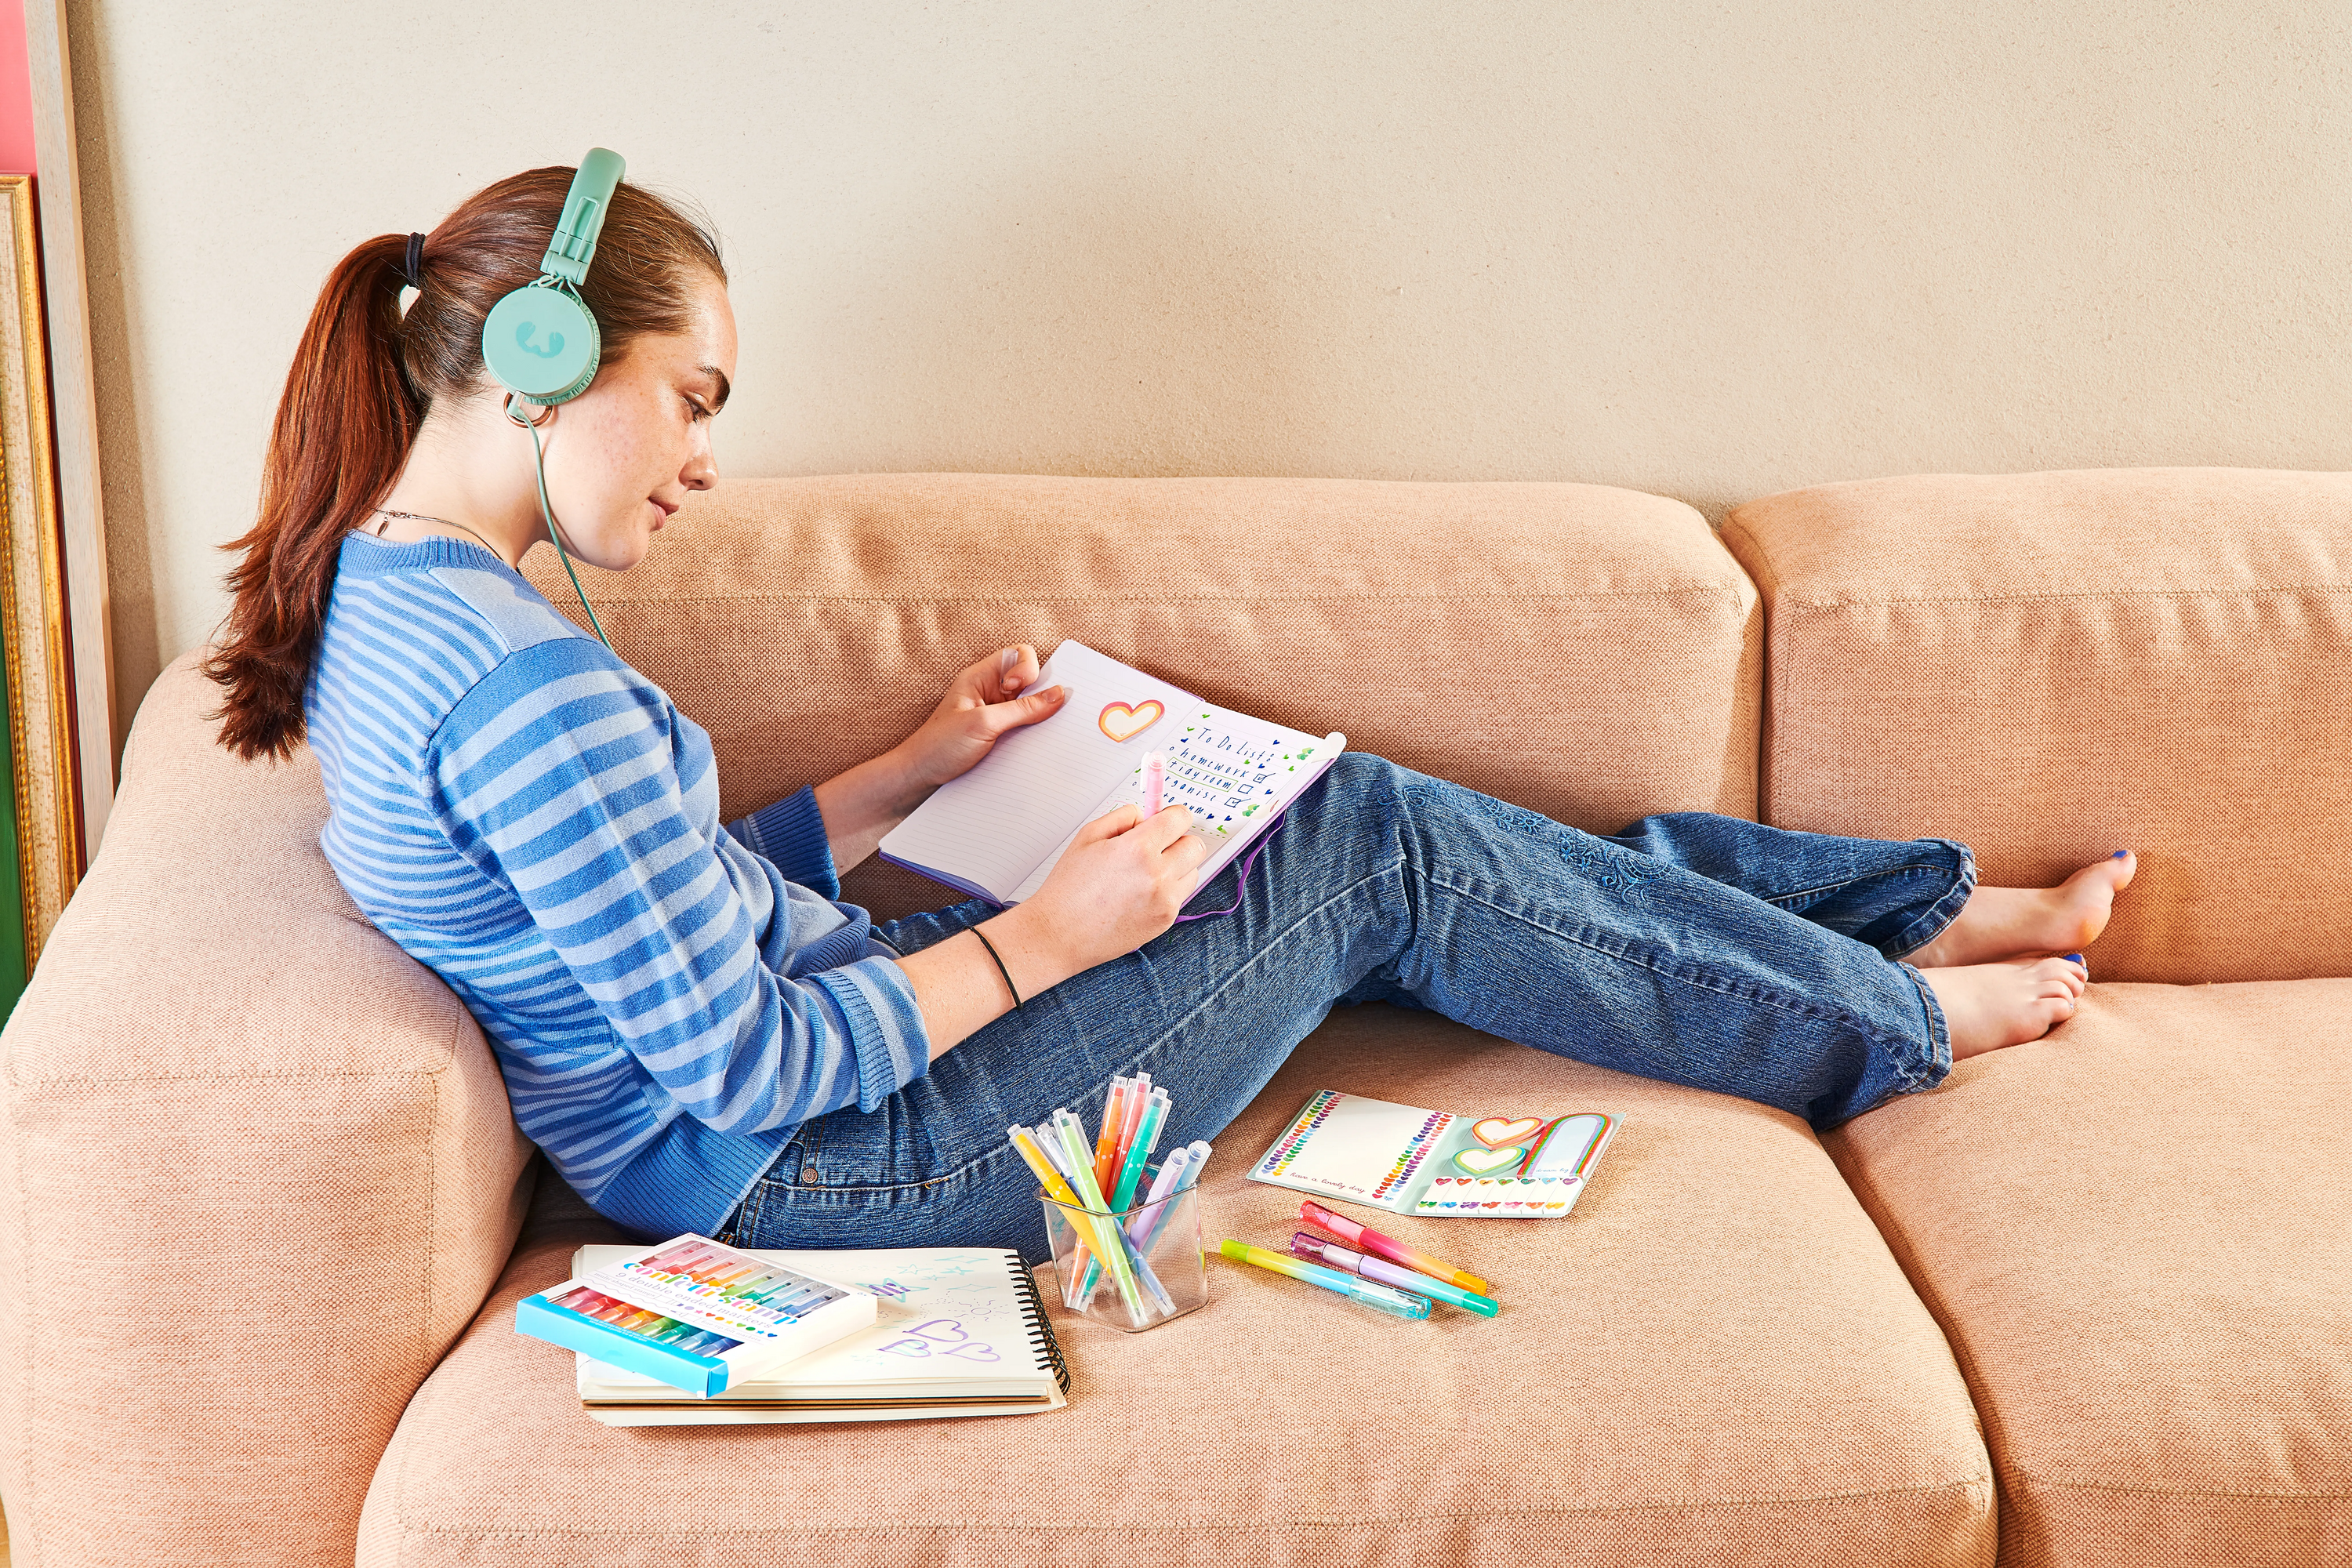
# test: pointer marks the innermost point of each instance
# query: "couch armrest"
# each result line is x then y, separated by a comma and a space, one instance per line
260, 1172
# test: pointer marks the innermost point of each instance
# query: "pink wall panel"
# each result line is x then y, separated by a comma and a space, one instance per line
16, 93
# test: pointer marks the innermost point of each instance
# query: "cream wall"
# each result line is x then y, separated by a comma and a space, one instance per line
1710, 250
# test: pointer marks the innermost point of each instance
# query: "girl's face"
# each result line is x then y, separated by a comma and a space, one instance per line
622, 455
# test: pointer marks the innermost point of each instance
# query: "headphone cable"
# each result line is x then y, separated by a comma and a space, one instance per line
554, 534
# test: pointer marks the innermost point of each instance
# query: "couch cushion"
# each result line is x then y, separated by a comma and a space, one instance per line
2053, 666
1585, 652
221, 1066
1714, 1360
2133, 1233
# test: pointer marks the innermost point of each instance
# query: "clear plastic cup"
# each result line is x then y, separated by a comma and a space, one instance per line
1157, 1275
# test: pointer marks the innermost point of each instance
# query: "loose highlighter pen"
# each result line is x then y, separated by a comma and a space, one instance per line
1379, 1297
1323, 1249
1388, 1247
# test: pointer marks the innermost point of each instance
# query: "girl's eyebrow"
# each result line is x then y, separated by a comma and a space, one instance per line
719, 376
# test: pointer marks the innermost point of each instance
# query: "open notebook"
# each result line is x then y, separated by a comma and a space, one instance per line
1407, 1160
960, 1332
995, 832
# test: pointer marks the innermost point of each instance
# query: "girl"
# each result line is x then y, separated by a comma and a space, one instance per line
702, 1037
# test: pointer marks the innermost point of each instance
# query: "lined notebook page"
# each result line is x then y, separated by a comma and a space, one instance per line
989, 830
1233, 772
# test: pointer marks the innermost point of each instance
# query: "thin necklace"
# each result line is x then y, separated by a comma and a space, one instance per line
445, 523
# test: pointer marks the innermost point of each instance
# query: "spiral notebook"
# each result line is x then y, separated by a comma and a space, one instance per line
960, 1330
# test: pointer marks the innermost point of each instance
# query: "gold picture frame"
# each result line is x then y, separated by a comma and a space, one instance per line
38, 665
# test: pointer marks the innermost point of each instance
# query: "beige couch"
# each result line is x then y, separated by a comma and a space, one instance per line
2088, 1303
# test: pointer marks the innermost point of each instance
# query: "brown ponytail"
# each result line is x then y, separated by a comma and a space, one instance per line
362, 379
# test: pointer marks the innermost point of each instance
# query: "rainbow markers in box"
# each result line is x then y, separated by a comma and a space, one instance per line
695, 1314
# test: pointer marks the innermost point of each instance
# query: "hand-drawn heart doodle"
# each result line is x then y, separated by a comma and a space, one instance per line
1121, 723
976, 1351
915, 1348
1487, 1161
945, 1331
1494, 1132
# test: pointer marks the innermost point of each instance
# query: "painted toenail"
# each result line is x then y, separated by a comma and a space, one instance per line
2120, 854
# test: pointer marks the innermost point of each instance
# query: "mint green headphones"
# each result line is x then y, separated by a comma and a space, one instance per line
541, 341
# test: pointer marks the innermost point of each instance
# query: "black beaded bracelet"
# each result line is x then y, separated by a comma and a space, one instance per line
1000, 967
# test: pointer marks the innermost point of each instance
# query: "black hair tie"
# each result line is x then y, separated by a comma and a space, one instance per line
413, 268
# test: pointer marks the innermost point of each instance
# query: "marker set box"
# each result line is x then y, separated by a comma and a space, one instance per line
697, 1315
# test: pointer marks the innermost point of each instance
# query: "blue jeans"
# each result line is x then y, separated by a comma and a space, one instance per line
1698, 948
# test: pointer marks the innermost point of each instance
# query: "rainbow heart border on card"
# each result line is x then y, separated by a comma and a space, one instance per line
1506, 1140
1135, 712
1513, 1129
1489, 1162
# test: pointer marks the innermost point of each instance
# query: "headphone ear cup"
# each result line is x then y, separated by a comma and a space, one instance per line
542, 342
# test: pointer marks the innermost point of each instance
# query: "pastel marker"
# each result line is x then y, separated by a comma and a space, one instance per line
1138, 1095
1198, 1151
1139, 1152
1172, 1170
799, 1301
1155, 782
1379, 1297
1323, 1249
1114, 1121
1388, 1247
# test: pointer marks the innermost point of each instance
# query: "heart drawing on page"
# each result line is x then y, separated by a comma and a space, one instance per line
1121, 723
1487, 1161
1494, 1132
946, 1330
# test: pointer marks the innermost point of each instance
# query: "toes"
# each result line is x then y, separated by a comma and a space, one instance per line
2115, 871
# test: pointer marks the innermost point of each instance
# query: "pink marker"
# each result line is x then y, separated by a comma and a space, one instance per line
1155, 782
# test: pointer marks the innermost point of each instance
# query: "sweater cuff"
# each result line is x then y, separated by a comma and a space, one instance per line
885, 1025
790, 835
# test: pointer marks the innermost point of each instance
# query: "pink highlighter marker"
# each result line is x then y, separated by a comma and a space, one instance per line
1389, 1247
1155, 782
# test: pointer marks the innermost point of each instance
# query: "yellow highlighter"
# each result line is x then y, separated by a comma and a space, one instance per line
1056, 1188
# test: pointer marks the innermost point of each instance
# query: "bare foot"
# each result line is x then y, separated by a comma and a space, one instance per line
2006, 922
1988, 1005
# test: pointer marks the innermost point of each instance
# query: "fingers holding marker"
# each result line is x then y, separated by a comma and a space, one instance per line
1166, 826
1016, 667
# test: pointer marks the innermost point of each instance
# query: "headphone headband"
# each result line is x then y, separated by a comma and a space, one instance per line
584, 207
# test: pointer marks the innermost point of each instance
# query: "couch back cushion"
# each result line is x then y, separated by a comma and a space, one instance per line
1590, 653
222, 1074
2053, 666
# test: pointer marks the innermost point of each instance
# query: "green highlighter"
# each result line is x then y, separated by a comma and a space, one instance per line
1138, 1154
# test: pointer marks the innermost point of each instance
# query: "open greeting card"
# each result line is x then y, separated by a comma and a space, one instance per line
995, 832
1406, 1160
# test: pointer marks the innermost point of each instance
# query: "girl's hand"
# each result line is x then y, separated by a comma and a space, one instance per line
982, 704
1120, 883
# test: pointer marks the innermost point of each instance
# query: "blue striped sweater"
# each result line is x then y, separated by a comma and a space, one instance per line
537, 823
